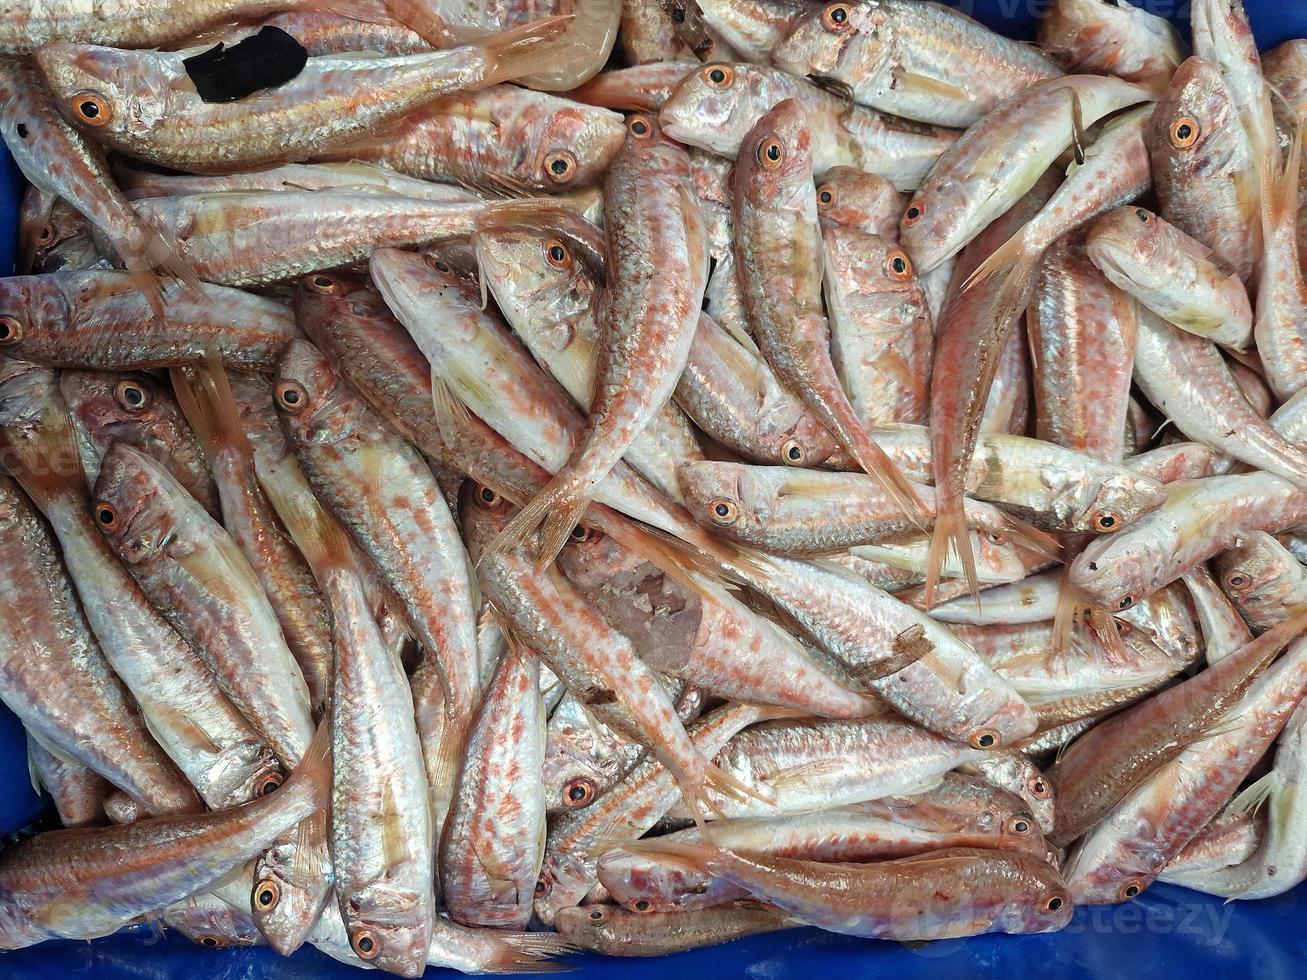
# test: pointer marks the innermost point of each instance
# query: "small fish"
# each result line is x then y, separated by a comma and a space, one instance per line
856, 199
1172, 275
1263, 579
208, 921
1090, 36
919, 61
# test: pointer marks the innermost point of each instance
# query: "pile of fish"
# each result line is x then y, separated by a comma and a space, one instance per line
818, 465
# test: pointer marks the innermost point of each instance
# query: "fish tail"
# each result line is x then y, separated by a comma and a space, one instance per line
877, 464
950, 532
1013, 265
703, 856
1280, 188
1066, 615
721, 781
313, 774
164, 257
558, 507
526, 952
523, 50
317, 534
207, 401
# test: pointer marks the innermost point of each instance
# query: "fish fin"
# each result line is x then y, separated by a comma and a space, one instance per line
1066, 616
1104, 624
315, 767
522, 952
1077, 128
450, 411
672, 556
724, 783
701, 855
1280, 197
950, 532
33, 770
804, 770
44, 459
738, 334
877, 464
913, 82
557, 508
523, 50
1252, 796
310, 846
1031, 538
161, 257
207, 401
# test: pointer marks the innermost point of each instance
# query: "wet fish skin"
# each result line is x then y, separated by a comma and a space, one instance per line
1263, 579
618, 932
78, 793
1120, 39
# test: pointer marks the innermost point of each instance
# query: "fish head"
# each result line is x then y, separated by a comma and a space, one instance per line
124, 407
37, 231
1120, 499
1121, 855
1117, 571
32, 310
105, 90
589, 926
138, 504
1195, 127
291, 888
315, 404
323, 298
565, 879
29, 393
715, 107
210, 922
1126, 240
867, 263
389, 927
858, 199
1248, 569
1038, 899
1163, 623
575, 143
853, 39
714, 495
630, 877
774, 167
483, 513
538, 279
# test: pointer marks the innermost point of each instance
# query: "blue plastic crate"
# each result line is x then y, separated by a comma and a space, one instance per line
1167, 928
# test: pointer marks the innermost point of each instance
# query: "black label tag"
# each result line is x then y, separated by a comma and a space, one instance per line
267, 59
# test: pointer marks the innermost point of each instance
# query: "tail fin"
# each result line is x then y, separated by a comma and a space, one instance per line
1032, 538
525, 952
317, 534
523, 50
880, 467
558, 508
1280, 190
1067, 615
1014, 265
950, 533
154, 258
313, 774
207, 401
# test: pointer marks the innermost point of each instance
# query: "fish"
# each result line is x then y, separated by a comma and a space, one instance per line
89, 882
1262, 578
502, 138
1172, 275
138, 183
775, 202
618, 932
638, 88
488, 873
646, 326
857, 199
1205, 171
192, 571
143, 103
1223, 627
183, 707
381, 831
949, 893
78, 793
53, 156
1282, 289
926, 62
1087, 36
208, 921
1185, 376
1223, 37
716, 107
385, 496
98, 319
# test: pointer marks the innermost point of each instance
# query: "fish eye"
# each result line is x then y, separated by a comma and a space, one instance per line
321, 283
579, 792
836, 17
1126, 602
1054, 902
557, 254
46, 233
561, 166
581, 534
899, 265
366, 943
134, 396
723, 512
11, 331
92, 109
1143, 214
640, 127
1039, 788
792, 452
1106, 521
915, 212
771, 154
1185, 132
598, 915
267, 894
544, 885
993, 538
719, 76
487, 498
1019, 825
270, 784
826, 197
210, 942
1236, 580
106, 515
642, 905
986, 738
292, 397
1130, 889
